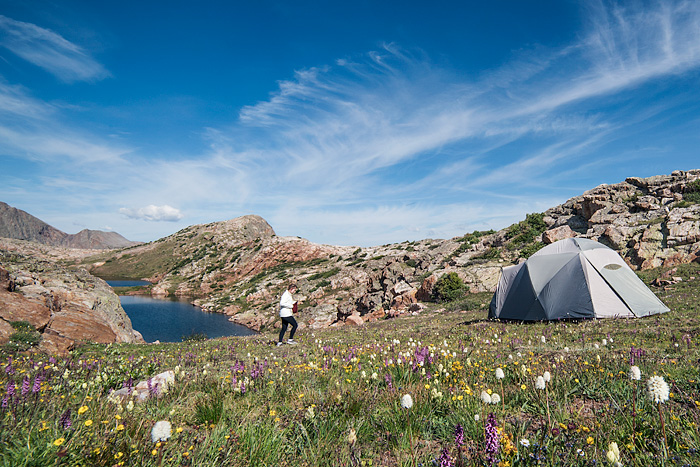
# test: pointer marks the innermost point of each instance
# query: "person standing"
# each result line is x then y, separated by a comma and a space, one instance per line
287, 310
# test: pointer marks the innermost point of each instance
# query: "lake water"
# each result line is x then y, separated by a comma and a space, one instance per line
169, 320
127, 283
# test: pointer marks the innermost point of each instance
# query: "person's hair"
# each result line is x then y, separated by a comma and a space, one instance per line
292, 285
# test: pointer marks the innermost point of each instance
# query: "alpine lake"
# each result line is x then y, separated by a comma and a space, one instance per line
172, 319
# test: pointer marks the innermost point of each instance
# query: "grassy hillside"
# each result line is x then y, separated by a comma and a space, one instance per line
336, 398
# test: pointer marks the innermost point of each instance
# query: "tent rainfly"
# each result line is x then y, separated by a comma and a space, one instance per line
572, 279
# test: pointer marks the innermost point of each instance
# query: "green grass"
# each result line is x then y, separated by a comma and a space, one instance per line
242, 401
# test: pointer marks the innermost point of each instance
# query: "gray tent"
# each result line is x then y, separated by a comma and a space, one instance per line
572, 278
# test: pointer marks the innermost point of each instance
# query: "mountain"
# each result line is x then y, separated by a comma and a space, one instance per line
239, 267
15, 223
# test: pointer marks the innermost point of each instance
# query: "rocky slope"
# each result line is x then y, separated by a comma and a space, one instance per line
239, 267
65, 306
17, 224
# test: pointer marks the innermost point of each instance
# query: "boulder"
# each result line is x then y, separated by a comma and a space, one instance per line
425, 292
354, 319
556, 234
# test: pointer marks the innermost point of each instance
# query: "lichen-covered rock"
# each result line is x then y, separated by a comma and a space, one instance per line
66, 306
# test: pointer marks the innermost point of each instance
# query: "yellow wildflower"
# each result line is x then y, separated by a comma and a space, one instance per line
59, 441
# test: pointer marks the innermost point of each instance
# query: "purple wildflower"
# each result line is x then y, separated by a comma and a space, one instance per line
65, 421
459, 435
491, 438
129, 385
445, 460
25, 386
152, 388
11, 389
8, 369
37, 384
5, 403
387, 378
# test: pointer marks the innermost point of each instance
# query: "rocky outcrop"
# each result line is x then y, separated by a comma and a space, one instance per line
645, 219
66, 307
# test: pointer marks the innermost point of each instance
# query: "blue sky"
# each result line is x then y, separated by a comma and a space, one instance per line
359, 123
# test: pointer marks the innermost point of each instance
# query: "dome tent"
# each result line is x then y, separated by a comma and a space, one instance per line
572, 278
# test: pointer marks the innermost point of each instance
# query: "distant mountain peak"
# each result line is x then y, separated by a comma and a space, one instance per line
18, 224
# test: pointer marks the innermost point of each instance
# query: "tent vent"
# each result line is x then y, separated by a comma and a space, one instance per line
612, 266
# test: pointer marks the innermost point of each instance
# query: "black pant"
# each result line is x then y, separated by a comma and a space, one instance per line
285, 321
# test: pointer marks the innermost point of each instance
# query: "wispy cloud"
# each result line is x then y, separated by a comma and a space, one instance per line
50, 51
153, 213
386, 146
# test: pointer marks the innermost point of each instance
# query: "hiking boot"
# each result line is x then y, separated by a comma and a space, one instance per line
292, 341
280, 343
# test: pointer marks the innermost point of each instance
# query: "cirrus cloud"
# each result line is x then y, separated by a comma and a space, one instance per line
154, 213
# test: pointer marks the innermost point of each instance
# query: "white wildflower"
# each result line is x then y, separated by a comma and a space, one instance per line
161, 431
635, 373
540, 384
524, 442
613, 455
495, 398
547, 377
499, 373
543, 340
406, 401
485, 397
658, 389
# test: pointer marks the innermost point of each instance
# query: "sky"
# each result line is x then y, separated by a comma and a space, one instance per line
345, 123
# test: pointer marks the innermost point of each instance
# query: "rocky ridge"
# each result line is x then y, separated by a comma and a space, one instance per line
65, 306
18, 224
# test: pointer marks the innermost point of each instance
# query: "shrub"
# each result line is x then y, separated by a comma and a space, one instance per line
530, 249
449, 287
195, 337
692, 192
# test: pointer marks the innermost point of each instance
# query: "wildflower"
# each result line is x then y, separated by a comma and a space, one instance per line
130, 406
352, 437
613, 455
161, 431
406, 401
658, 389
540, 384
543, 340
310, 414
82, 410
635, 373
25, 386
491, 437
65, 421
547, 377
445, 460
88, 422
495, 398
524, 442
485, 397
499, 373
59, 441
459, 435
590, 440
37, 384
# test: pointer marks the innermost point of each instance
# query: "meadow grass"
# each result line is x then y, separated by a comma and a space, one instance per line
335, 399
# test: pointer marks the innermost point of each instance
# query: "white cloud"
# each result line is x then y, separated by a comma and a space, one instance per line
50, 51
154, 213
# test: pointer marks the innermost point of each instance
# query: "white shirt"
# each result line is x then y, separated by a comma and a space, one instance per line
286, 305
